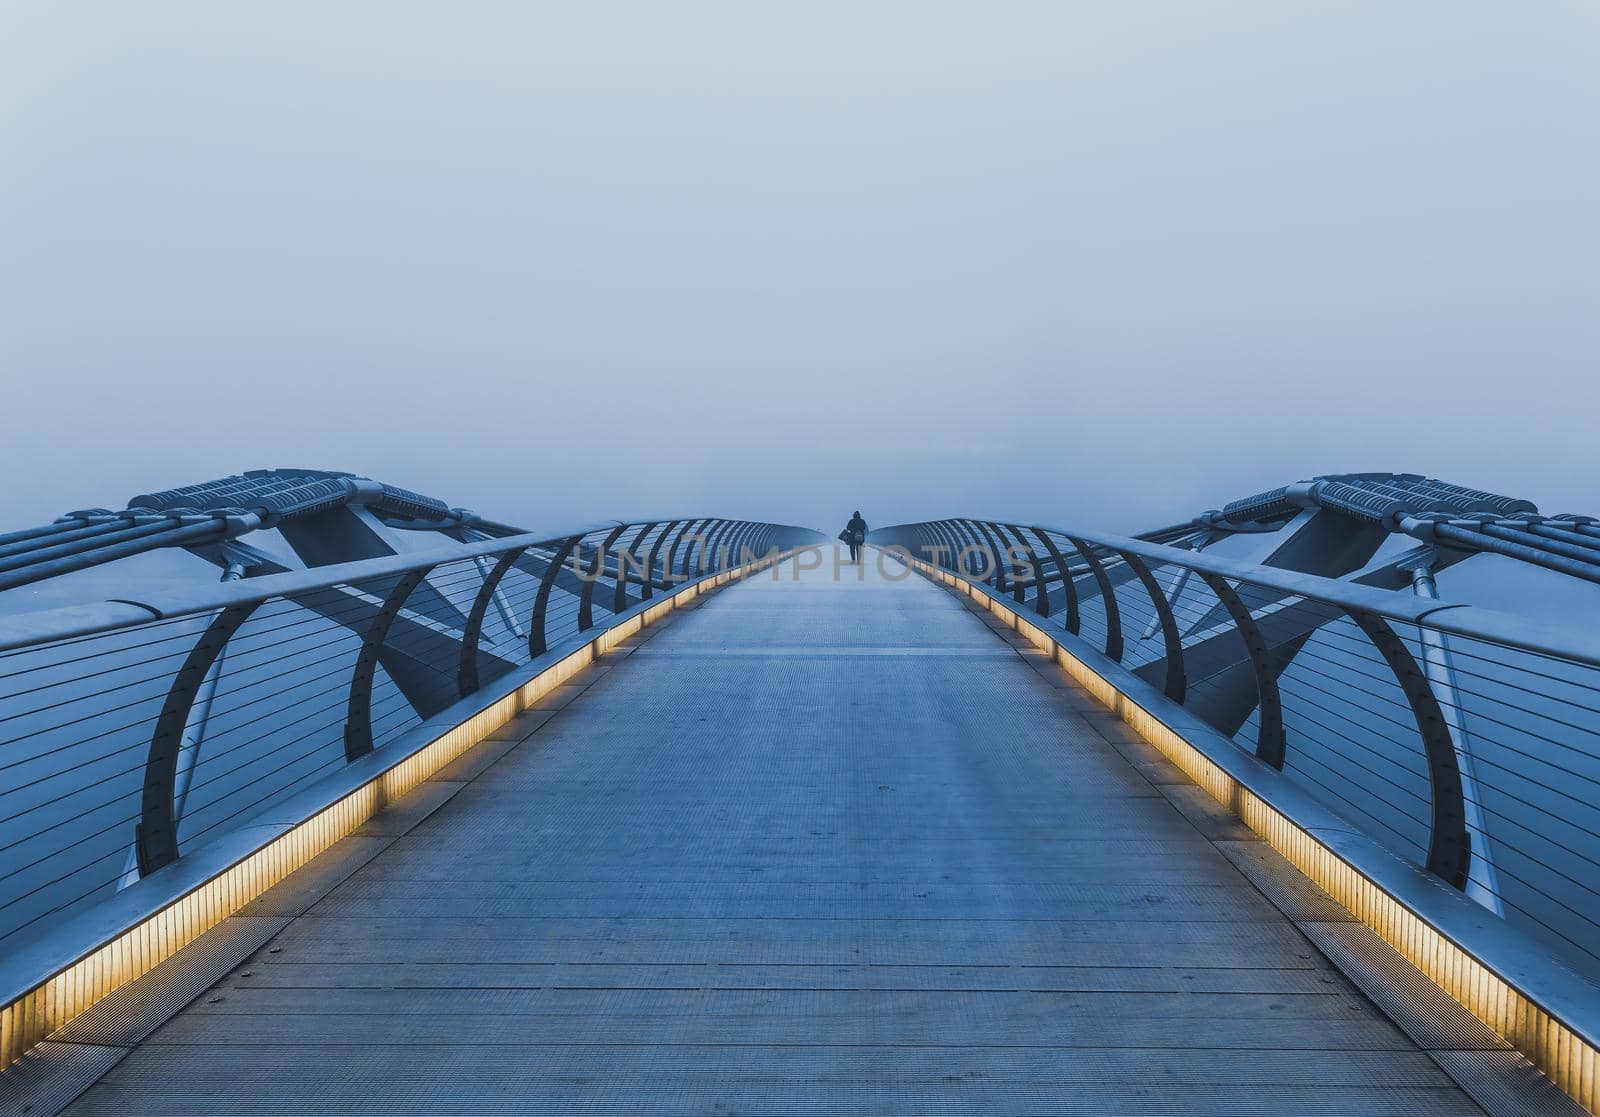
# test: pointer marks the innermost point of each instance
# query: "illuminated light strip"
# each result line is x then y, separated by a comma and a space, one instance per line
130, 953
1565, 1055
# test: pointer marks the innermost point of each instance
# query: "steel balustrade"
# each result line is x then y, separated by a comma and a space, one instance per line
1322, 679
100, 710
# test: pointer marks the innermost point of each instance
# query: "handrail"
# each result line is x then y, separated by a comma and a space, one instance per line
25, 629
1457, 618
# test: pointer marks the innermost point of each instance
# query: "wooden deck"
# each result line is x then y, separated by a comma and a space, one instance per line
809, 846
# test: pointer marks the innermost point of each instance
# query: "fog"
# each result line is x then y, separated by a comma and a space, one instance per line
1094, 264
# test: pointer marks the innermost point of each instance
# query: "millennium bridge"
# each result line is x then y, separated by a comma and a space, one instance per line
321, 796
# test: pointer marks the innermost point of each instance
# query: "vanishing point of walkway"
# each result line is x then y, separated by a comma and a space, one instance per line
808, 846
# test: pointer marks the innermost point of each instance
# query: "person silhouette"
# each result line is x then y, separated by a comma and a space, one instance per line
855, 534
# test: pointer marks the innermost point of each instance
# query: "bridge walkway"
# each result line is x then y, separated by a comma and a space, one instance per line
807, 846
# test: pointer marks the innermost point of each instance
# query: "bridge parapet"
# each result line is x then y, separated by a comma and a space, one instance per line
169, 758
1435, 766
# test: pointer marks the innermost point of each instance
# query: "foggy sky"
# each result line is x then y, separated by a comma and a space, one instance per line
1100, 264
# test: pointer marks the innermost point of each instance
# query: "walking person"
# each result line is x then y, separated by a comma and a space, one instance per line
855, 534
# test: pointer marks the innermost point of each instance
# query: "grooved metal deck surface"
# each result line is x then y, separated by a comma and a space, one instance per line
810, 847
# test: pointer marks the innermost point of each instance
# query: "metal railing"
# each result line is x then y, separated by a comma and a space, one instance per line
133, 732
1464, 739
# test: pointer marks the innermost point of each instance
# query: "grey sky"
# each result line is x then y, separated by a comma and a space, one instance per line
1103, 264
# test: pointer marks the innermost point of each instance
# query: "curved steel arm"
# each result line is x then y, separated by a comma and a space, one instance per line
730, 545
694, 559
760, 541
1449, 845
538, 641
1176, 684
1107, 596
467, 672
996, 560
944, 537
684, 532
697, 559
1270, 744
749, 544
739, 545
1019, 591
966, 542
1067, 584
740, 538
947, 538
650, 562
962, 563
753, 544
977, 548
1008, 559
766, 542
358, 718
592, 575
156, 835
714, 547
1041, 590
619, 600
